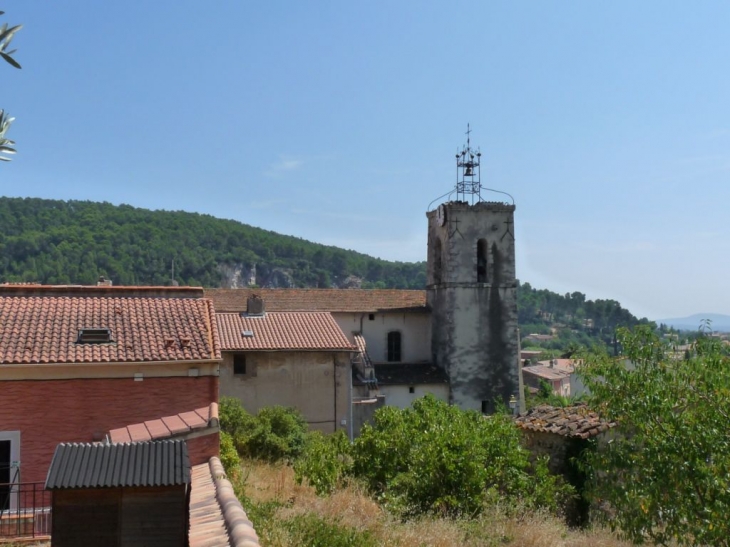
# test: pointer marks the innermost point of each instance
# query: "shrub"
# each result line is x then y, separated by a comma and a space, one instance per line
229, 456
436, 458
275, 432
325, 461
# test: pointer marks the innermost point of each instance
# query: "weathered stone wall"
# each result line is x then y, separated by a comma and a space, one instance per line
474, 317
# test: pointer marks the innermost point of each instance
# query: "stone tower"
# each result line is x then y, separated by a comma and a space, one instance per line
472, 292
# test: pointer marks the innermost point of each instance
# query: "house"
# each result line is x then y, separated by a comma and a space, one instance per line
79, 363
288, 358
386, 334
556, 372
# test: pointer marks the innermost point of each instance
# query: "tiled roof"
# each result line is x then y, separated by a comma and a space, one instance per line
216, 516
409, 374
44, 329
332, 300
576, 421
281, 331
169, 426
545, 372
97, 465
565, 365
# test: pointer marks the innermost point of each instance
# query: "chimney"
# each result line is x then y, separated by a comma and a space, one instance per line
104, 282
255, 305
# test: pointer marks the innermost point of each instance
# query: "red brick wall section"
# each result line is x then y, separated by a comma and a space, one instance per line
53, 411
202, 449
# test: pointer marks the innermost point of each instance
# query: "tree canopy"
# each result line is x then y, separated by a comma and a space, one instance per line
666, 472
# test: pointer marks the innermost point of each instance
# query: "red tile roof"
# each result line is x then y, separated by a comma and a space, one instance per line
332, 300
546, 372
576, 421
282, 331
44, 329
169, 426
216, 516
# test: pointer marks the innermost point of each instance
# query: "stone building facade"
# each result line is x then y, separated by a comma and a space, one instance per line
472, 294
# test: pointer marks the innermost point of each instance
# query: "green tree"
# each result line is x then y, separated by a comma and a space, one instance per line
436, 458
6, 36
666, 473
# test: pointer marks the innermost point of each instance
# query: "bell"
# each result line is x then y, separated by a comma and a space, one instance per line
468, 172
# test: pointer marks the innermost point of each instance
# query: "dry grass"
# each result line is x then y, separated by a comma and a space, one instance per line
352, 508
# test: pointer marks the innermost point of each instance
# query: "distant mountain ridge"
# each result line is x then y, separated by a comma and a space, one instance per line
719, 322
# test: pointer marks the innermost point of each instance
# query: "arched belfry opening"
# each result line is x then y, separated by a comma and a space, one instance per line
482, 250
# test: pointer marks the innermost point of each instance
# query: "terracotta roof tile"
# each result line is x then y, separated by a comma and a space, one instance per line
45, 329
169, 426
574, 421
332, 300
282, 331
545, 372
216, 516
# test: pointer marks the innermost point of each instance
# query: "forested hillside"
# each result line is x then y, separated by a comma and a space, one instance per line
571, 319
59, 242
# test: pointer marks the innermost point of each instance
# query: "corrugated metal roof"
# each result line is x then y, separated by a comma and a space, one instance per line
86, 465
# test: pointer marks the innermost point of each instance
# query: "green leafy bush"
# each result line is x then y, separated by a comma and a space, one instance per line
436, 458
274, 433
325, 461
229, 456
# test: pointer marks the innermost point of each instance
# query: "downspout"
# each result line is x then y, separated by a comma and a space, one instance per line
350, 432
334, 386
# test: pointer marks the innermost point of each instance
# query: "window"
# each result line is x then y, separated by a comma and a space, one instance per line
411, 389
371, 317
482, 261
94, 336
239, 364
394, 346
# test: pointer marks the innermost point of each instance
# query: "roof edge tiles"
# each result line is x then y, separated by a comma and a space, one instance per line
201, 421
216, 515
151, 291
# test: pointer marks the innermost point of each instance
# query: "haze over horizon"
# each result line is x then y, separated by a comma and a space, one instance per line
339, 123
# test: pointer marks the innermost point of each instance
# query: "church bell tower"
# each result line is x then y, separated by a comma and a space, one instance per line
472, 290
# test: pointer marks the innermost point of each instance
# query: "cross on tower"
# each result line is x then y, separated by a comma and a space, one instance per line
509, 223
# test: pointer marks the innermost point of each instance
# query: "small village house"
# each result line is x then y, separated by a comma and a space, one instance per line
296, 359
77, 363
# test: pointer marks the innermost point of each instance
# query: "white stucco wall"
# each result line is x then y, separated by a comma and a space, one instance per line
415, 329
400, 396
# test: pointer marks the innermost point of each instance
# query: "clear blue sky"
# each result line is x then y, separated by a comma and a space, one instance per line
338, 122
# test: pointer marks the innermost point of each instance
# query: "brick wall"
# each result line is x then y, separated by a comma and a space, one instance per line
53, 411
202, 449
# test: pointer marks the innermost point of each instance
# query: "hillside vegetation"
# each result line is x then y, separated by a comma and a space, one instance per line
60, 242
